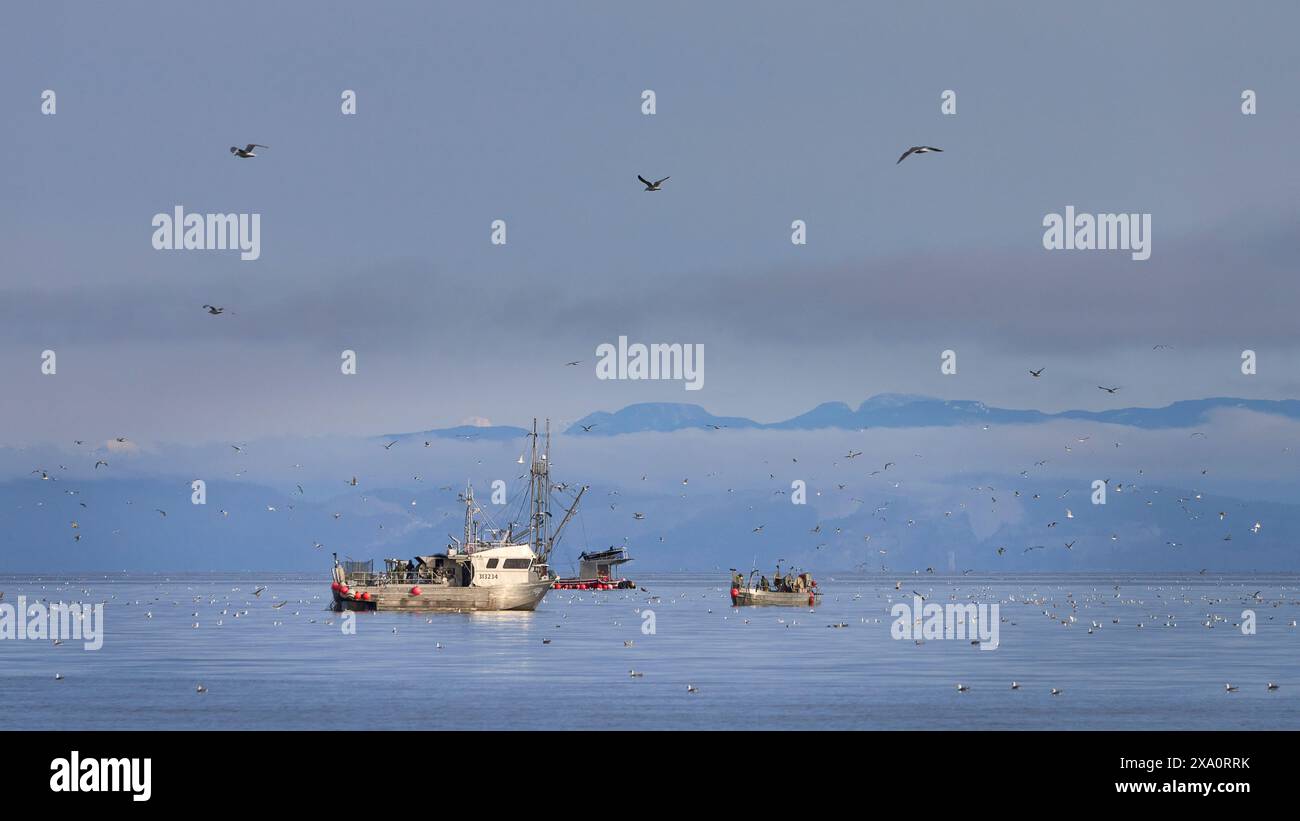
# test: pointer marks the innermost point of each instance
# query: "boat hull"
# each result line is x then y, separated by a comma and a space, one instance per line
433, 598
594, 584
762, 598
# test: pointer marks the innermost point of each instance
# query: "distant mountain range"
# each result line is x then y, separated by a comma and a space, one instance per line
405, 502
887, 410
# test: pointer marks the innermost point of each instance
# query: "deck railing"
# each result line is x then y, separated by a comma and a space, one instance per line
370, 579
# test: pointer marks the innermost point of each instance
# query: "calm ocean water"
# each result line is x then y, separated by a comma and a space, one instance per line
783, 668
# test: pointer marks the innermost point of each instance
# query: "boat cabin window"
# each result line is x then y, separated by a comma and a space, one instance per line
516, 564
492, 563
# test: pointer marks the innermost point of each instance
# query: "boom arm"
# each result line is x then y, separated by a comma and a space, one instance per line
555, 537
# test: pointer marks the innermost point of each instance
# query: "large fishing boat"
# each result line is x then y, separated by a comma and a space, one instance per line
490, 569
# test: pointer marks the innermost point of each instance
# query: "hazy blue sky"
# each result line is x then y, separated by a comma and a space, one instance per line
375, 227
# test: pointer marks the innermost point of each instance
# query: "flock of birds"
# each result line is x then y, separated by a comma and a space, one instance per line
878, 523
881, 513
884, 530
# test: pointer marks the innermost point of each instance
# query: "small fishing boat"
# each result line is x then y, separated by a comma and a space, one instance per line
754, 597
492, 569
784, 591
596, 571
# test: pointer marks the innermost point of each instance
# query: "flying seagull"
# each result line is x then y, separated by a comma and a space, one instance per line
1107, 390
247, 151
918, 149
651, 186
214, 309
1037, 373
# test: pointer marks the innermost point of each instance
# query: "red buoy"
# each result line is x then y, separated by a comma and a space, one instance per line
415, 591
365, 596
335, 587
343, 588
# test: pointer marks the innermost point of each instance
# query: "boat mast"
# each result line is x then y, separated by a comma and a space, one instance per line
471, 534
543, 537
540, 492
